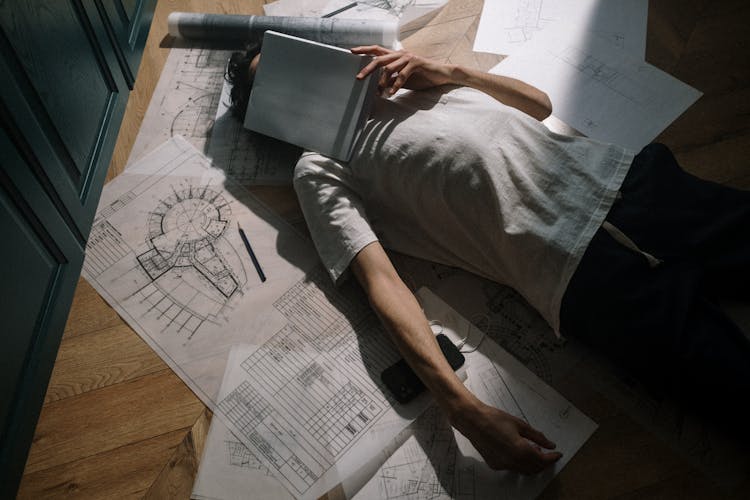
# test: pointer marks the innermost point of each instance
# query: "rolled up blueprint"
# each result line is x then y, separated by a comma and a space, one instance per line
333, 31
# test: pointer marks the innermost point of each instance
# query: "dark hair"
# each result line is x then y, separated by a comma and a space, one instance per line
238, 76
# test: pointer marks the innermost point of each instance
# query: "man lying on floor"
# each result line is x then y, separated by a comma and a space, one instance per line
625, 252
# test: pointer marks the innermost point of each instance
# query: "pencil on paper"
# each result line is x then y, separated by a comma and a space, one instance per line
342, 9
252, 254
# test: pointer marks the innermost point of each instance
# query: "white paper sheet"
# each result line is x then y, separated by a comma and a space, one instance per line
506, 26
166, 253
600, 90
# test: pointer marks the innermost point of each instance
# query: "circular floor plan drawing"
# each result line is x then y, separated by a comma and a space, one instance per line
193, 269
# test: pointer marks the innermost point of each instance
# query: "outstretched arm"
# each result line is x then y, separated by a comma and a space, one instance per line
504, 441
404, 69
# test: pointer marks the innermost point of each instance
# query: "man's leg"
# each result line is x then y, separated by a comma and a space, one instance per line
632, 313
677, 216
714, 357
656, 325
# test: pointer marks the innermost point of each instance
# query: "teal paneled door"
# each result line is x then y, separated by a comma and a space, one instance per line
41, 261
66, 68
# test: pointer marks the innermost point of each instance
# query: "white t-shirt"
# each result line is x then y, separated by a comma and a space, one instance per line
453, 176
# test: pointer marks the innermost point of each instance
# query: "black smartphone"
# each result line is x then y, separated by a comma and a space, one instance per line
404, 384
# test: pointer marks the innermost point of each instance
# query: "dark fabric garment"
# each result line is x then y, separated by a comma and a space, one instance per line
663, 324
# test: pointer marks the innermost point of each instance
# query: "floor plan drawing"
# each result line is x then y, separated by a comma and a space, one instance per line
194, 272
529, 17
192, 100
498, 311
248, 157
188, 271
240, 456
607, 75
185, 99
201, 71
166, 252
183, 232
428, 460
514, 325
408, 475
366, 9
507, 26
228, 468
394, 7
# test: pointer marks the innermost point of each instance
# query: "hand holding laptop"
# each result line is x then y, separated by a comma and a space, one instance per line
403, 69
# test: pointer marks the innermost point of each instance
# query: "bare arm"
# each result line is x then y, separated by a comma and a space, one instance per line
404, 69
504, 441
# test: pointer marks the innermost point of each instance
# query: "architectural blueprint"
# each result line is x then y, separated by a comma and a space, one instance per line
228, 469
185, 99
309, 403
508, 25
600, 90
343, 32
166, 253
191, 99
431, 460
248, 157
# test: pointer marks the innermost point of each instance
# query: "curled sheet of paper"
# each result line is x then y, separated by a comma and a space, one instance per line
226, 27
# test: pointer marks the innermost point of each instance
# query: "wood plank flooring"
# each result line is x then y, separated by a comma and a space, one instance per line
117, 423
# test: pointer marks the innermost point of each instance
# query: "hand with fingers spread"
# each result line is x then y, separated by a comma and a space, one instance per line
504, 441
403, 69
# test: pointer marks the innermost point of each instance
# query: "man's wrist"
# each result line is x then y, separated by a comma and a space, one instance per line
461, 411
457, 75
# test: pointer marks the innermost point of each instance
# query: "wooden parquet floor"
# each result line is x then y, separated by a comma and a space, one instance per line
117, 423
